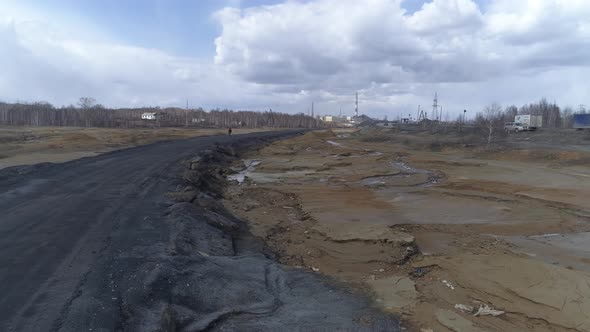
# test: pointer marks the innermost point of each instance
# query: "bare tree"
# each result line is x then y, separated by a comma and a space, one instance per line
491, 117
86, 102
509, 113
567, 117
551, 113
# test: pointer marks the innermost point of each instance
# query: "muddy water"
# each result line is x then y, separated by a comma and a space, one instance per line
250, 165
568, 250
408, 176
335, 143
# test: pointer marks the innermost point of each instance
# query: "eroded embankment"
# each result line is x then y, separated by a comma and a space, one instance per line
213, 275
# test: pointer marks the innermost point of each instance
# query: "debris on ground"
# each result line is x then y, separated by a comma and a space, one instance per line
448, 284
419, 272
485, 310
464, 307
455, 322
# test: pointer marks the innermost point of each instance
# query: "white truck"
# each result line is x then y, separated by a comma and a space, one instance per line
513, 126
529, 122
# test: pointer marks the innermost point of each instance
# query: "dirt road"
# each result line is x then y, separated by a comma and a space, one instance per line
32, 145
94, 244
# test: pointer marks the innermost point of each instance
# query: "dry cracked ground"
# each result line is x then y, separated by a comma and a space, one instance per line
451, 237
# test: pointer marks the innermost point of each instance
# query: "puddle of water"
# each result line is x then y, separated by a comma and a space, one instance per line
337, 156
250, 165
398, 180
432, 177
409, 177
373, 182
545, 235
408, 169
567, 249
335, 144
403, 167
573, 243
295, 176
344, 155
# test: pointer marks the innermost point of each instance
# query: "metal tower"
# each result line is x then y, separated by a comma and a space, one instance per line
435, 107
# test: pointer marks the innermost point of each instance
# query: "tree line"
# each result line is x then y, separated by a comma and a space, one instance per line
553, 115
89, 114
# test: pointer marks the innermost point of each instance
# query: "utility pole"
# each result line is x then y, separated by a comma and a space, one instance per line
356, 105
312, 111
186, 115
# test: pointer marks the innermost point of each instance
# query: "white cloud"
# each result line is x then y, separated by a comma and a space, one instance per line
42, 61
285, 56
444, 16
375, 47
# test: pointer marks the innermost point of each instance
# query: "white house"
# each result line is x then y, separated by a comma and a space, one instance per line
149, 116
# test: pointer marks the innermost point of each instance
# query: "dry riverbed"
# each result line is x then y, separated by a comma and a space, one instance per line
452, 239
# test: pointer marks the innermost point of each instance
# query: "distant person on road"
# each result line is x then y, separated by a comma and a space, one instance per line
229, 131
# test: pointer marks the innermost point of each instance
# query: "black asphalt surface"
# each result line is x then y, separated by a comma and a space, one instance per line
92, 244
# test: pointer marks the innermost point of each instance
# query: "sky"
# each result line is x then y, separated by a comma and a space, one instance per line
284, 55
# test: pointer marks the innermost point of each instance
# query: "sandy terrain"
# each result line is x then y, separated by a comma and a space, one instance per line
434, 234
31, 145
